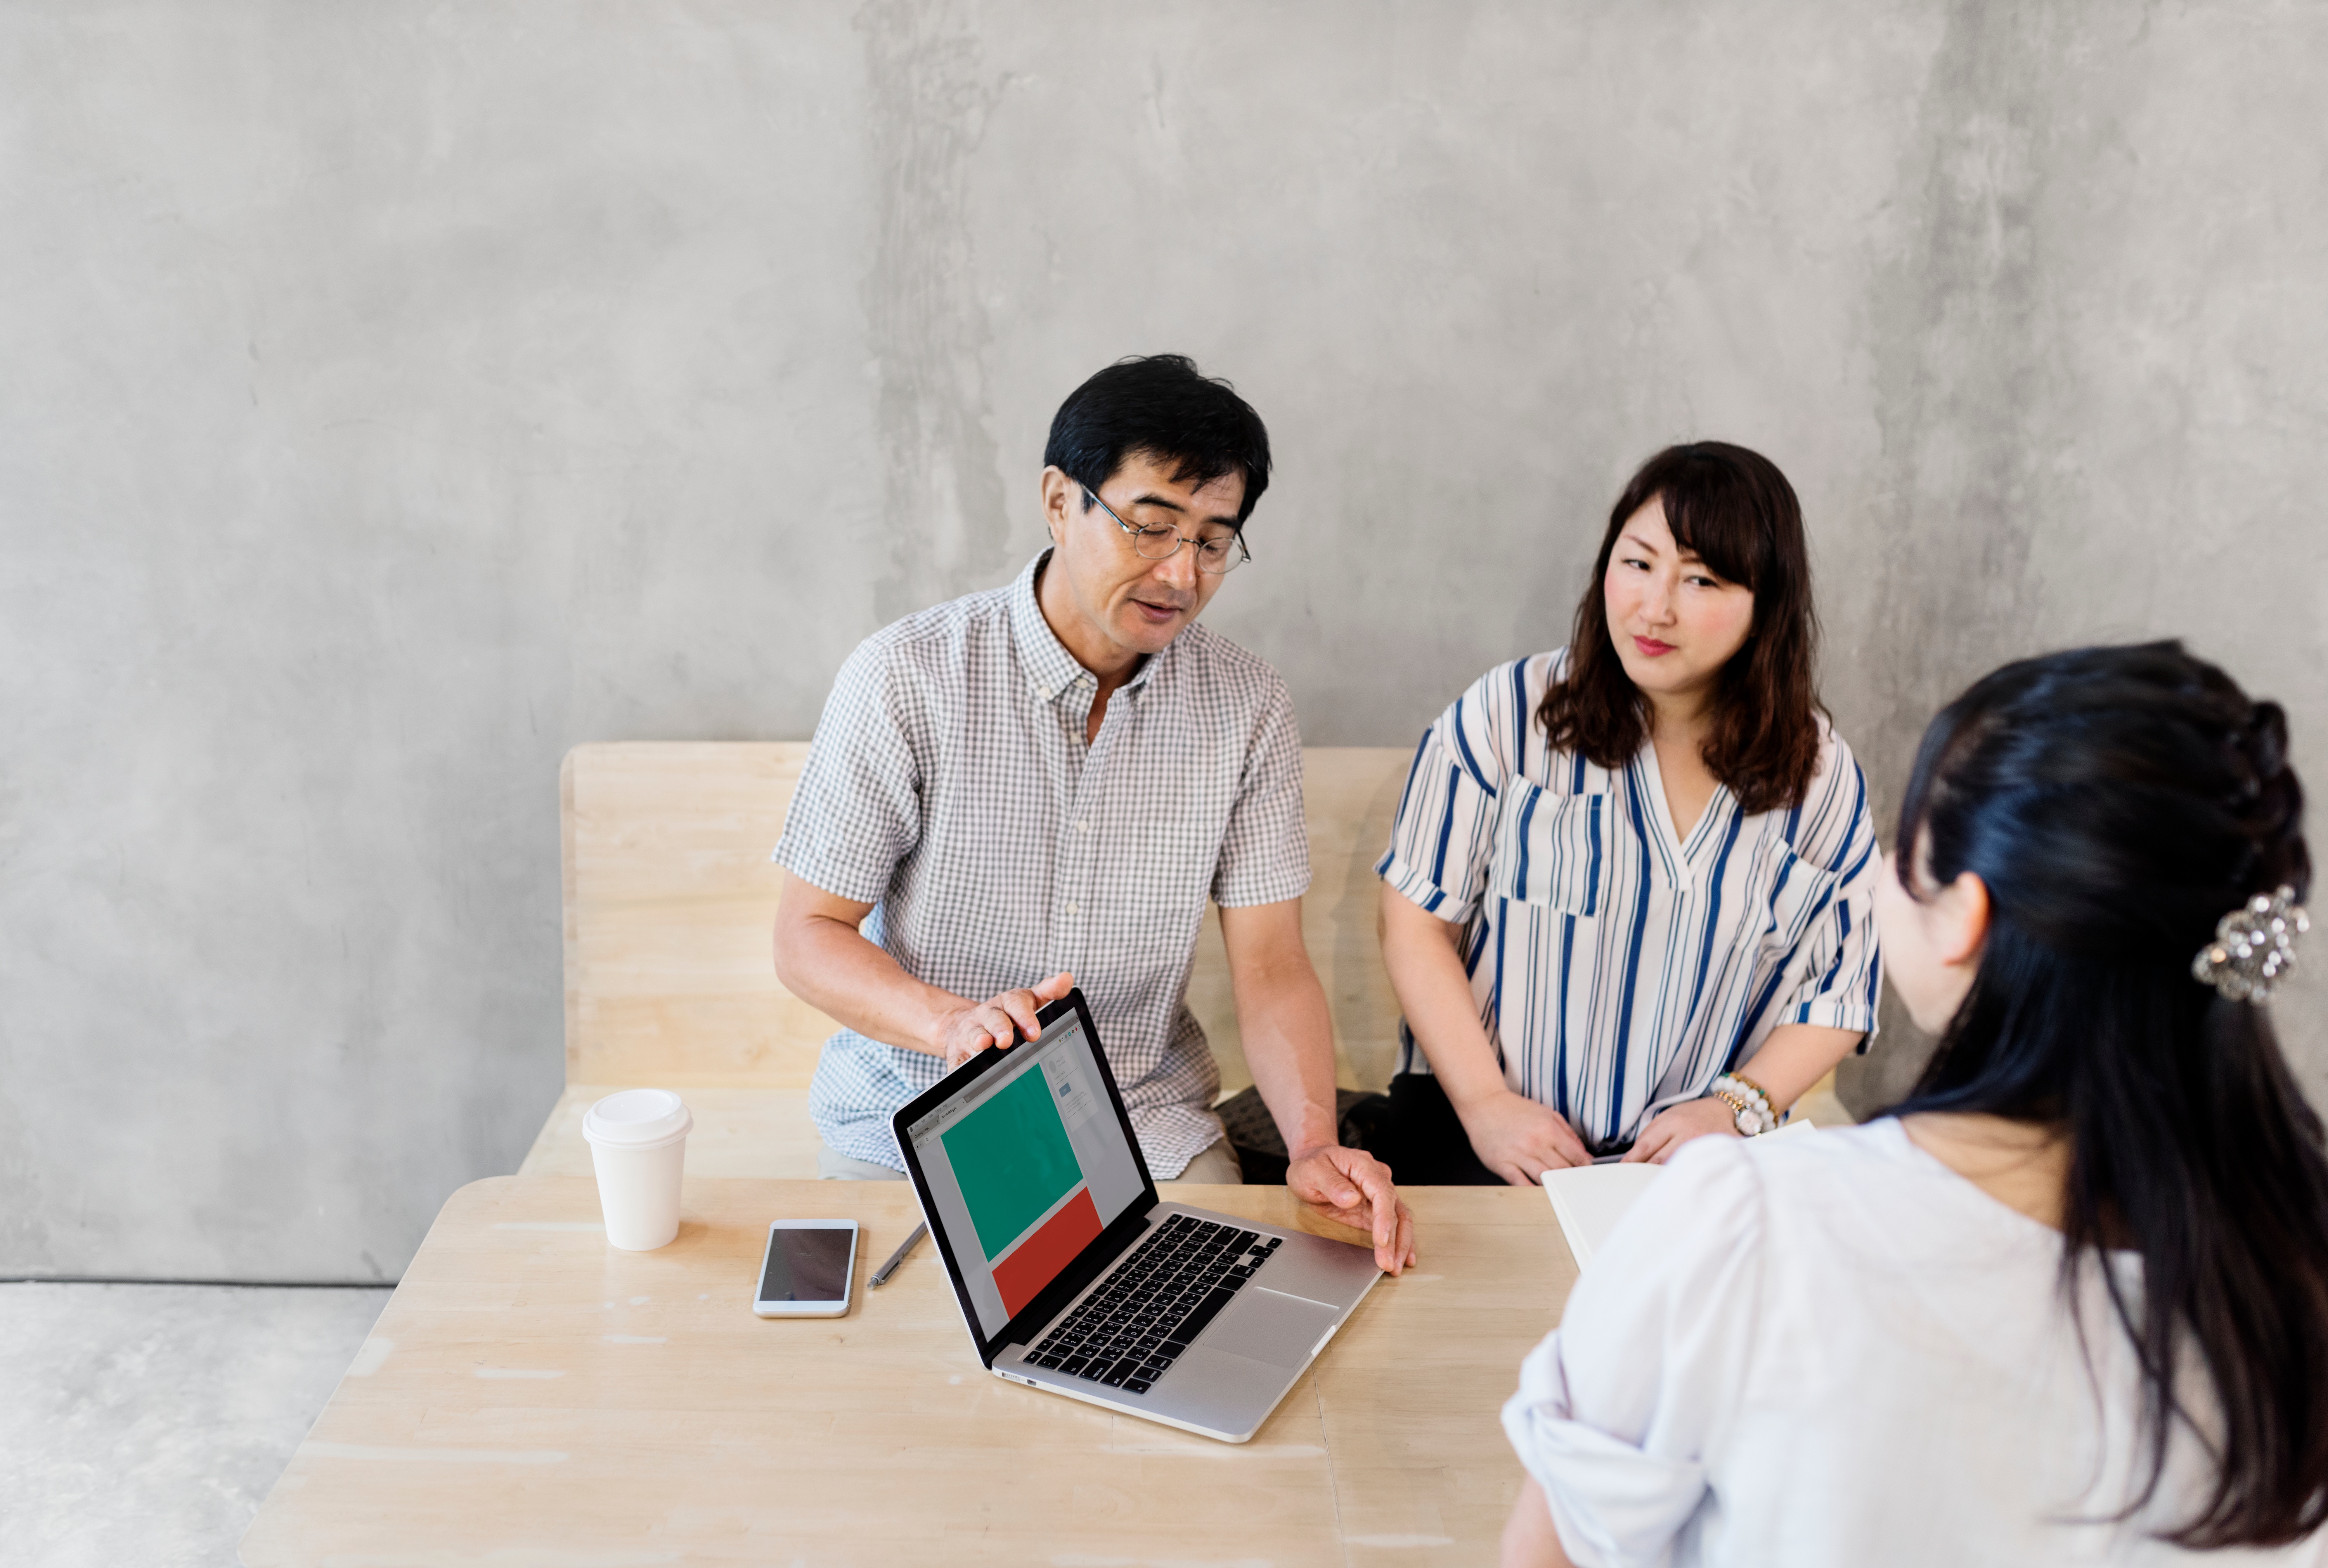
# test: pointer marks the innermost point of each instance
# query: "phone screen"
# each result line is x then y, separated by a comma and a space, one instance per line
807, 1265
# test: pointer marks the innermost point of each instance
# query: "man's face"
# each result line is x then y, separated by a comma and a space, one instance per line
1120, 606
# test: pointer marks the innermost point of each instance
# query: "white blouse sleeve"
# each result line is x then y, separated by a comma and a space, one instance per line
1444, 833
1843, 976
1616, 1409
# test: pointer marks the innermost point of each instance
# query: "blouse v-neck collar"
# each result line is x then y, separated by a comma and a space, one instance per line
1680, 853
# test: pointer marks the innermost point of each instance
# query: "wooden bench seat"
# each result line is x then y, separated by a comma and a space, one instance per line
670, 898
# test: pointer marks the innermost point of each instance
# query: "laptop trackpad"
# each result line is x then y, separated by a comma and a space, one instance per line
1267, 1326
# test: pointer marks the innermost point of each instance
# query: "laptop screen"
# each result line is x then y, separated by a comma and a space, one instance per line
1025, 1166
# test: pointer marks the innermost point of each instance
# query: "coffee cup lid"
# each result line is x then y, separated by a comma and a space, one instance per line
637, 1116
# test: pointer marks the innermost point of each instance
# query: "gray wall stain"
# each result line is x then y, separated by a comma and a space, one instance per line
1961, 345
941, 485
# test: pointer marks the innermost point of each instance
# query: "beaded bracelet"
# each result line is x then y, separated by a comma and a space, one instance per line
1750, 1106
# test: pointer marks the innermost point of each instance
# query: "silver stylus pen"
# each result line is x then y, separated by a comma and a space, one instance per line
908, 1246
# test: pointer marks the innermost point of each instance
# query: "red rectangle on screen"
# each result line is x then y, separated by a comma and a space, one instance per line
1036, 1261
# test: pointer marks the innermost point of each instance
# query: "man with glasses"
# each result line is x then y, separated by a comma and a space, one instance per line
1041, 784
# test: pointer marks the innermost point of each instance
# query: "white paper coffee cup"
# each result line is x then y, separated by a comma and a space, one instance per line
638, 1144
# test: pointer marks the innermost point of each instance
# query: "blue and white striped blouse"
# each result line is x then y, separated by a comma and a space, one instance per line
1618, 971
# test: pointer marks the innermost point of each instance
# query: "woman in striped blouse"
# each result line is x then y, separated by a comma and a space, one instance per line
1626, 897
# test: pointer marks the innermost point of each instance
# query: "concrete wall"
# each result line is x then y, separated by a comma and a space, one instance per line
393, 396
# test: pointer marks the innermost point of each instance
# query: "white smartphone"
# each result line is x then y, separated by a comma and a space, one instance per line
807, 1269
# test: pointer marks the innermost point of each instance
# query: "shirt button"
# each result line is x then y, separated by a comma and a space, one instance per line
1082, 826
1075, 909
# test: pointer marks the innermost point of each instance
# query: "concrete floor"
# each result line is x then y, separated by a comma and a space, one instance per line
146, 1424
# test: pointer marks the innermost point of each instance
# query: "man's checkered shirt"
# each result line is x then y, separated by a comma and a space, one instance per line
949, 785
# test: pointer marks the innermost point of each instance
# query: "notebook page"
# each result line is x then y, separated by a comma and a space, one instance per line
1590, 1199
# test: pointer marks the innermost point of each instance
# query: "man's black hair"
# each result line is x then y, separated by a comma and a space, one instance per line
1161, 406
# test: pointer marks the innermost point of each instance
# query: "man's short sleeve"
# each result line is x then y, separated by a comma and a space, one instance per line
857, 811
1265, 852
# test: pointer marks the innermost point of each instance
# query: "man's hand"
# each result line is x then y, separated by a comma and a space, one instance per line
1519, 1138
999, 1023
1352, 1187
1675, 1125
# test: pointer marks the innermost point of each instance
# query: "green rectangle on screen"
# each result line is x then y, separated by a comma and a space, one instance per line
1012, 1160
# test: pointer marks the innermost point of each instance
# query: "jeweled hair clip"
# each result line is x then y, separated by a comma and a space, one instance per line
2254, 945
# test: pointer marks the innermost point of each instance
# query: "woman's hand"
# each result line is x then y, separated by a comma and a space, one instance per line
1530, 1540
1519, 1140
1671, 1128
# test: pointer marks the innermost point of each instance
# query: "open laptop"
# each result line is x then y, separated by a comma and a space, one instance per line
1073, 1276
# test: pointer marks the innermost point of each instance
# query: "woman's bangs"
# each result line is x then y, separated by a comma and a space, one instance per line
1727, 539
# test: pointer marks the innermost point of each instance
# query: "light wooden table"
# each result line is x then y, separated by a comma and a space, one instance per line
531, 1397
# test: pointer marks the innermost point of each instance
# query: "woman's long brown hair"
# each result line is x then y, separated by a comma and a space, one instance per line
1738, 513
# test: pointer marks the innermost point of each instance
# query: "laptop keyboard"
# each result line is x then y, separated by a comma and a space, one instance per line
1128, 1333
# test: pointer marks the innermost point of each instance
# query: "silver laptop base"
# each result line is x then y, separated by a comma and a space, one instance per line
1234, 1368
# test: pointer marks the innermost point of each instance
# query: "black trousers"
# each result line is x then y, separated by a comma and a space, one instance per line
1422, 1141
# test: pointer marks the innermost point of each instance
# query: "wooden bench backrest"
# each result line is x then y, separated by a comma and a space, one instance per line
670, 896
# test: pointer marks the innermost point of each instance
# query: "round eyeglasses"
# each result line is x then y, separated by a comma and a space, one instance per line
1215, 556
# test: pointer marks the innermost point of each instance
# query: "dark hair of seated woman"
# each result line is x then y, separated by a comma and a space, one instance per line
2118, 803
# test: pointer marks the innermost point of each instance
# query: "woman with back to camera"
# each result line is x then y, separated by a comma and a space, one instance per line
1626, 897
2067, 1303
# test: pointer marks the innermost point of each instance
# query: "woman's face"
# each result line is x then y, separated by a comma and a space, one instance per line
1674, 624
